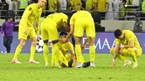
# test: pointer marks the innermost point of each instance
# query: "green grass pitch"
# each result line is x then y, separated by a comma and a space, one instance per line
37, 72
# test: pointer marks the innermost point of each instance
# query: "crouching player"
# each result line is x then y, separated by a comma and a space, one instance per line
130, 48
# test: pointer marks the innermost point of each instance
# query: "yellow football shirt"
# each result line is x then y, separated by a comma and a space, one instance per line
65, 47
81, 15
101, 5
52, 5
129, 35
31, 13
89, 4
57, 18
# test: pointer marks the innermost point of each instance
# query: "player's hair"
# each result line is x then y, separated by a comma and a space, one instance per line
63, 33
117, 33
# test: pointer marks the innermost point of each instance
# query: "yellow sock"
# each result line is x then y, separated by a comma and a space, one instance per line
18, 51
92, 53
45, 52
82, 59
132, 53
123, 58
32, 51
55, 52
53, 61
78, 52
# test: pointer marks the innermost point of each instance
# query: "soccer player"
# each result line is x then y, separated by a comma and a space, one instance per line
130, 48
64, 48
64, 59
26, 29
80, 22
49, 31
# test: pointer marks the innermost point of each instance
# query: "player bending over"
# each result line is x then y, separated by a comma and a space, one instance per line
130, 48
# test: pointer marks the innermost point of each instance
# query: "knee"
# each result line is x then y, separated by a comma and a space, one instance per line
22, 44
112, 51
33, 42
130, 50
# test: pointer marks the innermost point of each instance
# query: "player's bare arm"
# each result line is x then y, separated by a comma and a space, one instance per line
115, 55
130, 44
70, 33
66, 27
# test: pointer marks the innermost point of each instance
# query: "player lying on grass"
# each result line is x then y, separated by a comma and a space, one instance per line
130, 48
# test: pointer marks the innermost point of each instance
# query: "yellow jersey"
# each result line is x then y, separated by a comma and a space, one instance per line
52, 5
128, 35
31, 13
89, 4
81, 15
57, 18
65, 47
101, 5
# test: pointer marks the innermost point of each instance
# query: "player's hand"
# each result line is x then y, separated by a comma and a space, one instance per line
26, 32
113, 64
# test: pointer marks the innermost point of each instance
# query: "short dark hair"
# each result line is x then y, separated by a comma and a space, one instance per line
63, 33
117, 33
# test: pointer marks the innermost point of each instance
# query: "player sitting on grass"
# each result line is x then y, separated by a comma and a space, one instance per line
63, 56
130, 48
64, 59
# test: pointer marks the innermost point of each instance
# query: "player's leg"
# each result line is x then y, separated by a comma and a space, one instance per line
33, 39
119, 56
132, 53
53, 60
63, 60
78, 34
55, 53
18, 51
46, 52
78, 51
138, 52
53, 36
91, 51
122, 56
90, 32
22, 36
45, 36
